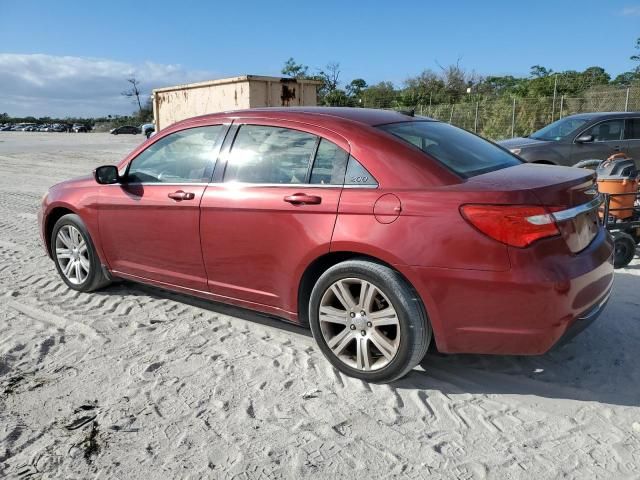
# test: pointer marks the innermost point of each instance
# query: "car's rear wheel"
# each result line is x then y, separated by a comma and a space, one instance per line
368, 321
75, 256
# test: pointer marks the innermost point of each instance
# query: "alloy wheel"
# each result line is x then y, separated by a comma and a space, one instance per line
72, 254
359, 324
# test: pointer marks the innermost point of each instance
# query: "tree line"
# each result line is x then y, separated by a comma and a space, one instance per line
454, 84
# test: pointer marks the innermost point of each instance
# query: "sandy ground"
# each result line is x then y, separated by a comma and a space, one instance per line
134, 382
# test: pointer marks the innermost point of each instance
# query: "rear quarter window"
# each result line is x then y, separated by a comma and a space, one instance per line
462, 152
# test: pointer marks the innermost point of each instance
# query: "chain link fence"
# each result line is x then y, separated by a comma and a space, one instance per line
504, 117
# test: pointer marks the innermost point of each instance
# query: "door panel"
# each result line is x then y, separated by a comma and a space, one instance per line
146, 233
255, 244
150, 223
262, 223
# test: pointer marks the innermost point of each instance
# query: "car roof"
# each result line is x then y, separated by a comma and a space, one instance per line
605, 115
367, 116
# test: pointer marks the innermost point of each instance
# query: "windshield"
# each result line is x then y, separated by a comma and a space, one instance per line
463, 152
558, 130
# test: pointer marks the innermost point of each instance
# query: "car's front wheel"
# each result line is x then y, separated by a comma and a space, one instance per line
368, 321
75, 256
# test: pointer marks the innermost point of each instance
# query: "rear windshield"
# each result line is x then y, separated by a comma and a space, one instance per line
463, 152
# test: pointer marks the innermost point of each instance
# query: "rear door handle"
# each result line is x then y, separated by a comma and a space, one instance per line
180, 195
303, 199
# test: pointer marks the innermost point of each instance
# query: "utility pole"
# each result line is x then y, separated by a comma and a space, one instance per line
555, 93
475, 123
513, 118
626, 102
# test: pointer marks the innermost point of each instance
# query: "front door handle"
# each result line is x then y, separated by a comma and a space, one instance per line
180, 195
303, 199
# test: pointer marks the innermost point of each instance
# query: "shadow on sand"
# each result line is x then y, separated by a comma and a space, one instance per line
601, 364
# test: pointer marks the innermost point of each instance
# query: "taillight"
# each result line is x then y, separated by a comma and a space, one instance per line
515, 225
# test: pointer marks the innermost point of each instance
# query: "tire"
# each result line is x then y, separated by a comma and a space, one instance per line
404, 329
624, 249
590, 164
65, 243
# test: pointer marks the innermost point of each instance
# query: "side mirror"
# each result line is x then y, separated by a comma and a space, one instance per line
106, 175
584, 139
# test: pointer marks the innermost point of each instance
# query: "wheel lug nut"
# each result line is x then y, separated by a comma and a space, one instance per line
353, 327
369, 324
352, 314
363, 333
363, 313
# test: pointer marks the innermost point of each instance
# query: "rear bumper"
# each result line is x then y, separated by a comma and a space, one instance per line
584, 320
523, 311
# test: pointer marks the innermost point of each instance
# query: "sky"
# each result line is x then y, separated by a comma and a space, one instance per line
64, 58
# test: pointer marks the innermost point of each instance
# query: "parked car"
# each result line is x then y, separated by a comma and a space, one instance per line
77, 128
381, 231
585, 136
147, 129
125, 129
5, 128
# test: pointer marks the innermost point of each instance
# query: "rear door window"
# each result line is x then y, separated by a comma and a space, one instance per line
632, 131
329, 164
462, 152
270, 155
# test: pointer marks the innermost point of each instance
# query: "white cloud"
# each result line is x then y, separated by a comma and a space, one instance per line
37, 84
631, 11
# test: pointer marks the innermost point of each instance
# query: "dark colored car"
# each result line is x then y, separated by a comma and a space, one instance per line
381, 231
130, 129
147, 129
587, 136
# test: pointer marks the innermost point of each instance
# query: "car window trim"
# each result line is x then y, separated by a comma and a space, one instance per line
312, 160
209, 170
288, 185
149, 184
243, 185
624, 123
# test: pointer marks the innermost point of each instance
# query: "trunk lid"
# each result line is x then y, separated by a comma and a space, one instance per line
571, 194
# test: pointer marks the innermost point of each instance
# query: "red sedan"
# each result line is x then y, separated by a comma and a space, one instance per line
381, 231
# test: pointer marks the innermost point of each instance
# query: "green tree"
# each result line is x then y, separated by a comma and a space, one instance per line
293, 69
423, 89
380, 95
636, 57
337, 98
538, 71
355, 88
